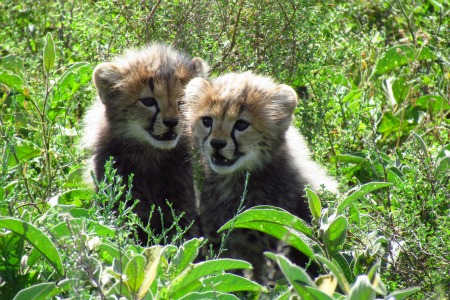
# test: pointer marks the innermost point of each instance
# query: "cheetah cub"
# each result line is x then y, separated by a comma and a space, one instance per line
136, 120
242, 122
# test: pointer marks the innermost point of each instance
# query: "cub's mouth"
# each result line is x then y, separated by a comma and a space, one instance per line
220, 160
168, 136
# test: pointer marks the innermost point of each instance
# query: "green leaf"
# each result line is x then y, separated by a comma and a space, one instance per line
361, 192
389, 124
401, 55
208, 296
403, 294
443, 159
134, 273
40, 291
298, 278
337, 272
268, 214
109, 251
14, 64
75, 196
37, 239
314, 204
335, 233
344, 266
434, 103
232, 283
284, 233
67, 228
78, 75
352, 95
12, 80
400, 89
362, 289
183, 283
348, 158
24, 151
312, 293
294, 274
49, 53
354, 215
184, 256
153, 255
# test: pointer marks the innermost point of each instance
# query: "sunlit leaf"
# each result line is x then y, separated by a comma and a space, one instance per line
183, 283
401, 55
134, 273
334, 267
268, 214
362, 289
435, 103
23, 151
185, 255
208, 296
361, 192
314, 204
37, 239
153, 257
402, 294
232, 283
49, 53
335, 233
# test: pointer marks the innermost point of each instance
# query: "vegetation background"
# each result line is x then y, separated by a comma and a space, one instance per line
373, 81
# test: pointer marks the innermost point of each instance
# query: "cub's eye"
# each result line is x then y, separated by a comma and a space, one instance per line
241, 125
207, 121
148, 101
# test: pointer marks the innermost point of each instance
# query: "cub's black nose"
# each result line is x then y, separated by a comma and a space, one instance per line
218, 144
171, 122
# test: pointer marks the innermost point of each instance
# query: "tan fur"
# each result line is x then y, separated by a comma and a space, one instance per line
137, 121
270, 148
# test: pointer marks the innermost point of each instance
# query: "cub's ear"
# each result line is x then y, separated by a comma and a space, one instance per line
199, 67
195, 89
106, 76
285, 98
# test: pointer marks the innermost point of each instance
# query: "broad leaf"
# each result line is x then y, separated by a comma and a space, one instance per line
153, 256
361, 192
314, 204
185, 255
184, 283
40, 291
402, 294
362, 289
268, 214
134, 273
336, 270
49, 53
401, 55
37, 239
208, 296
232, 283
335, 233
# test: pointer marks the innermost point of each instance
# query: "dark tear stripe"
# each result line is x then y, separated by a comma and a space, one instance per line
152, 124
210, 130
236, 145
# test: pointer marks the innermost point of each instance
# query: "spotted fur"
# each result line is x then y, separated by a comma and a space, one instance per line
136, 120
242, 122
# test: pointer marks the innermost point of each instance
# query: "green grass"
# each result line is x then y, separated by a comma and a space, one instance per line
376, 110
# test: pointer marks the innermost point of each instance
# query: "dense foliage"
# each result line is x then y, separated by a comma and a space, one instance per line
373, 81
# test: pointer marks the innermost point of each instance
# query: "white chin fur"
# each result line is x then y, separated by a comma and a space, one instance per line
141, 134
163, 144
247, 162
